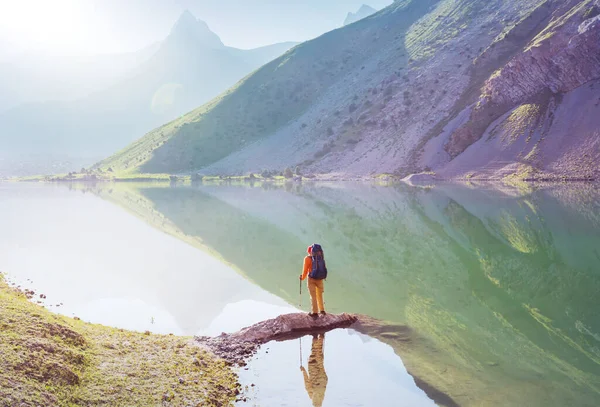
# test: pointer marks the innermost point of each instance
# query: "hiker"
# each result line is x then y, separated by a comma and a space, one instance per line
316, 271
315, 381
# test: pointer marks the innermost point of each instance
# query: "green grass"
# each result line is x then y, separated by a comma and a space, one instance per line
51, 360
583, 7
442, 25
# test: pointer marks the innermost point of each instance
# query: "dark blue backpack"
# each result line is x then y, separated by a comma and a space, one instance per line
319, 268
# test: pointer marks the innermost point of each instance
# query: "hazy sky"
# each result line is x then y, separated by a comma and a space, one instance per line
106, 26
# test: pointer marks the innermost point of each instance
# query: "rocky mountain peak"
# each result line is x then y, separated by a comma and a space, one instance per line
363, 11
188, 29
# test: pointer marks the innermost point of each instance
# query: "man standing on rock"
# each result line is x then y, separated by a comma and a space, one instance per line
316, 270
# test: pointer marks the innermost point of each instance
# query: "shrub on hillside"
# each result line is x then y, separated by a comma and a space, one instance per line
325, 150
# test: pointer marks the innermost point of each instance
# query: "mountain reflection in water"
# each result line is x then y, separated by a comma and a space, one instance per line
499, 286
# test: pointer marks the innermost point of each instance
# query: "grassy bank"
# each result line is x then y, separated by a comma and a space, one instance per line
51, 360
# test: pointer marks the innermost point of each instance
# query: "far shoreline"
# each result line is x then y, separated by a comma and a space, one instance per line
427, 179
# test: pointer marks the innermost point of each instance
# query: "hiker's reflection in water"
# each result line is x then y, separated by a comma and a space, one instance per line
315, 380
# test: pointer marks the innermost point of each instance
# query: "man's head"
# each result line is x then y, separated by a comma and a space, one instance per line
309, 250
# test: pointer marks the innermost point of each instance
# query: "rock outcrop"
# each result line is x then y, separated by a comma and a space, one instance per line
237, 347
562, 57
420, 179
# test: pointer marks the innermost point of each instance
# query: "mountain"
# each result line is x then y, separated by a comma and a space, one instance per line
363, 11
190, 31
462, 88
190, 67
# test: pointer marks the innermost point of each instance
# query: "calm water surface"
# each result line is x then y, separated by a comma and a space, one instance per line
490, 295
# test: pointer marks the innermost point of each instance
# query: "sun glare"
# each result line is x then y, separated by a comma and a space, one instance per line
49, 25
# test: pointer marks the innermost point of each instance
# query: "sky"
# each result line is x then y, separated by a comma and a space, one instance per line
77, 27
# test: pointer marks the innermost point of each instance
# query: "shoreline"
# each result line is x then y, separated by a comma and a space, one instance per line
69, 361
115, 365
417, 179
54, 360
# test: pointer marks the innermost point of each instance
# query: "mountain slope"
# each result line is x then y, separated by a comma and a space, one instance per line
537, 116
408, 89
274, 95
191, 66
363, 11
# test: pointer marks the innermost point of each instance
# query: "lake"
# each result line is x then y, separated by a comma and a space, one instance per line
486, 295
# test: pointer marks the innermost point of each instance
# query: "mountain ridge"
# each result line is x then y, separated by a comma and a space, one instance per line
363, 12
190, 28
389, 90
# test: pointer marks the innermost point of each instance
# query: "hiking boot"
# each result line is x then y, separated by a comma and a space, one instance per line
313, 315
323, 313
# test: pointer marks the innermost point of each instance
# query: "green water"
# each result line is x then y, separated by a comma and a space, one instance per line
499, 286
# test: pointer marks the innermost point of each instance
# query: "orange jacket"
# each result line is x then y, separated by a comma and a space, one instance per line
307, 267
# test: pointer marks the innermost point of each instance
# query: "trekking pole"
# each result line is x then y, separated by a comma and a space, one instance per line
300, 302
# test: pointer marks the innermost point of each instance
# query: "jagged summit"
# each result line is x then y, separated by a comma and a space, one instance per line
363, 11
191, 29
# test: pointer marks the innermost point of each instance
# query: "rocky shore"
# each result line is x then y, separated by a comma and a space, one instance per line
238, 347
